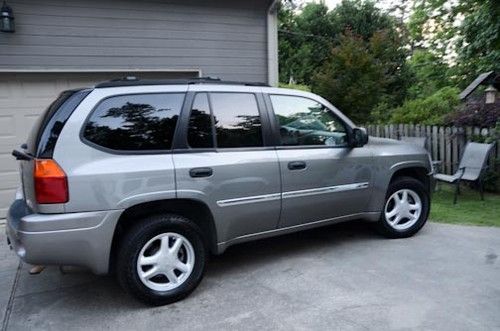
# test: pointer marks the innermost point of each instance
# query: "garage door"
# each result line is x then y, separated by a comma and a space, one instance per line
23, 96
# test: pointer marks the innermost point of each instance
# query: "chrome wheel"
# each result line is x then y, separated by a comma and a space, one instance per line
165, 262
403, 209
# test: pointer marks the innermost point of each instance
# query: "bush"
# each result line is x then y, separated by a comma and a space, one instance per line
475, 113
430, 110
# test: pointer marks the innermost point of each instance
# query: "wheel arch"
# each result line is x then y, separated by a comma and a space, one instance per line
419, 172
195, 210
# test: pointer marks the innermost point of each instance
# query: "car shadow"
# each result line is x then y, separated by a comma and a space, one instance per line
79, 288
313, 241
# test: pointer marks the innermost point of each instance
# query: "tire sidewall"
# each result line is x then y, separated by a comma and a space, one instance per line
139, 236
419, 189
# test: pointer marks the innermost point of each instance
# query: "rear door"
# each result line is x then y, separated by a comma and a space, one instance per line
322, 177
222, 158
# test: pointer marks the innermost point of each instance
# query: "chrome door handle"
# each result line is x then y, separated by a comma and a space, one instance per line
200, 172
296, 165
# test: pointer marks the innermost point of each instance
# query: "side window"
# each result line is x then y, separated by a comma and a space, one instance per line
237, 120
304, 121
135, 122
200, 123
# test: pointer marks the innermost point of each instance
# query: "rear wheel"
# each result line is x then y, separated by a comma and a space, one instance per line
406, 208
161, 259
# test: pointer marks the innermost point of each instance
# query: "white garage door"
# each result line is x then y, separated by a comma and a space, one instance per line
23, 97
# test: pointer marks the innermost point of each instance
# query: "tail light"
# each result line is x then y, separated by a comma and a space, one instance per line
51, 184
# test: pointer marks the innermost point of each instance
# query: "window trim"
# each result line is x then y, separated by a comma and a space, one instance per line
108, 150
276, 127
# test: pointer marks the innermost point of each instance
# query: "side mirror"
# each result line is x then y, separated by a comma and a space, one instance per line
359, 137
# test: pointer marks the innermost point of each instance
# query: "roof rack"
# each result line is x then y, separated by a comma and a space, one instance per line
134, 81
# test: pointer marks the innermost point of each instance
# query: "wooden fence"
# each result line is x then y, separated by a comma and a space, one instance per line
445, 144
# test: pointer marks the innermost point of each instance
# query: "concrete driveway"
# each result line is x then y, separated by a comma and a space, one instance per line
340, 277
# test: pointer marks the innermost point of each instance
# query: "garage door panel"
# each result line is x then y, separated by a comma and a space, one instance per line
8, 163
7, 125
6, 198
9, 180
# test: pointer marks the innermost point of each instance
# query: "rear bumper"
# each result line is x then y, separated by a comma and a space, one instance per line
80, 239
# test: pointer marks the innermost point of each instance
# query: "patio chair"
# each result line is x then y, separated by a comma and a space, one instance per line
422, 142
472, 168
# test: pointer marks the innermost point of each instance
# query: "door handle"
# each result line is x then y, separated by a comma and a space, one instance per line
200, 172
296, 165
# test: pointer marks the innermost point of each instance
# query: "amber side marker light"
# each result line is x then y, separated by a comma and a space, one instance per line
51, 183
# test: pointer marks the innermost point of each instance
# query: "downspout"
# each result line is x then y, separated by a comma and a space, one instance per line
272, 43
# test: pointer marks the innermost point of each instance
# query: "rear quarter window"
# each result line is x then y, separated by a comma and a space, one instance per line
45, 132
138, 122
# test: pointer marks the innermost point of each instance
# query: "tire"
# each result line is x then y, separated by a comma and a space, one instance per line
150, 247
409, 223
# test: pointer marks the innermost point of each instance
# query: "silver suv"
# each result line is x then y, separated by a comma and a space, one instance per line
147, 178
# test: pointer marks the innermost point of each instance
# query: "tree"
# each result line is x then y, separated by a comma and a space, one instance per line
430, 73
304, 40
358, 74
307, 37
464, 33
479, 42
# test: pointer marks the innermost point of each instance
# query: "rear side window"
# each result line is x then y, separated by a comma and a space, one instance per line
237, 120
137, 122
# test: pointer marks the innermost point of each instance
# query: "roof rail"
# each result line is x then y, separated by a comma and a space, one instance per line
134, 81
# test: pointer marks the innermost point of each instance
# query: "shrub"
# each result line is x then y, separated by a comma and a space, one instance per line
475, 113
430, 110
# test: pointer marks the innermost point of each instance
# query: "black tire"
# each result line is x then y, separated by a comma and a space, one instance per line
138, 236
416, 186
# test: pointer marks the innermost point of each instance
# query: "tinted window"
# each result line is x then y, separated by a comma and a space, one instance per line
45, 132
135, 122
306, 122
237, 120
200, 123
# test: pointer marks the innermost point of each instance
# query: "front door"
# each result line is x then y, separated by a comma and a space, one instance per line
322, 177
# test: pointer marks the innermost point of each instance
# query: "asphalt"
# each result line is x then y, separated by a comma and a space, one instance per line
343, 277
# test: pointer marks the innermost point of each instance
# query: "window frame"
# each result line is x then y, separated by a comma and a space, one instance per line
276, 125
181, 144
108, 150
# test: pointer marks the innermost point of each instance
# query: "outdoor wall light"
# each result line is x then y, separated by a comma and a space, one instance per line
491, 94
6, 19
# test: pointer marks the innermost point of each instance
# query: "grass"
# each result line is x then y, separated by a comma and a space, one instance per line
469, 208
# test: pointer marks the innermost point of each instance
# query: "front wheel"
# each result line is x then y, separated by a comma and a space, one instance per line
406, 208
161, 259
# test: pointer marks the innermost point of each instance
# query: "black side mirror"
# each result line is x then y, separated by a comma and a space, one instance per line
359, 137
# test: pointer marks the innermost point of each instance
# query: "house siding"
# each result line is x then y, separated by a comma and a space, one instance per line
221, 38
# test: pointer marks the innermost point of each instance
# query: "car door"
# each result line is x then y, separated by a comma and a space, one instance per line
322, 177
223, 161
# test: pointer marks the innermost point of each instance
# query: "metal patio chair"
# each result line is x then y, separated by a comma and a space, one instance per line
472, 168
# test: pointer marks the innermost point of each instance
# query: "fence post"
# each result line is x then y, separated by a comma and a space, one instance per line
435, 143
442, 157
454, 151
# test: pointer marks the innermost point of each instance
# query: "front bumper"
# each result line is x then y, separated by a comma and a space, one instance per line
79, 239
